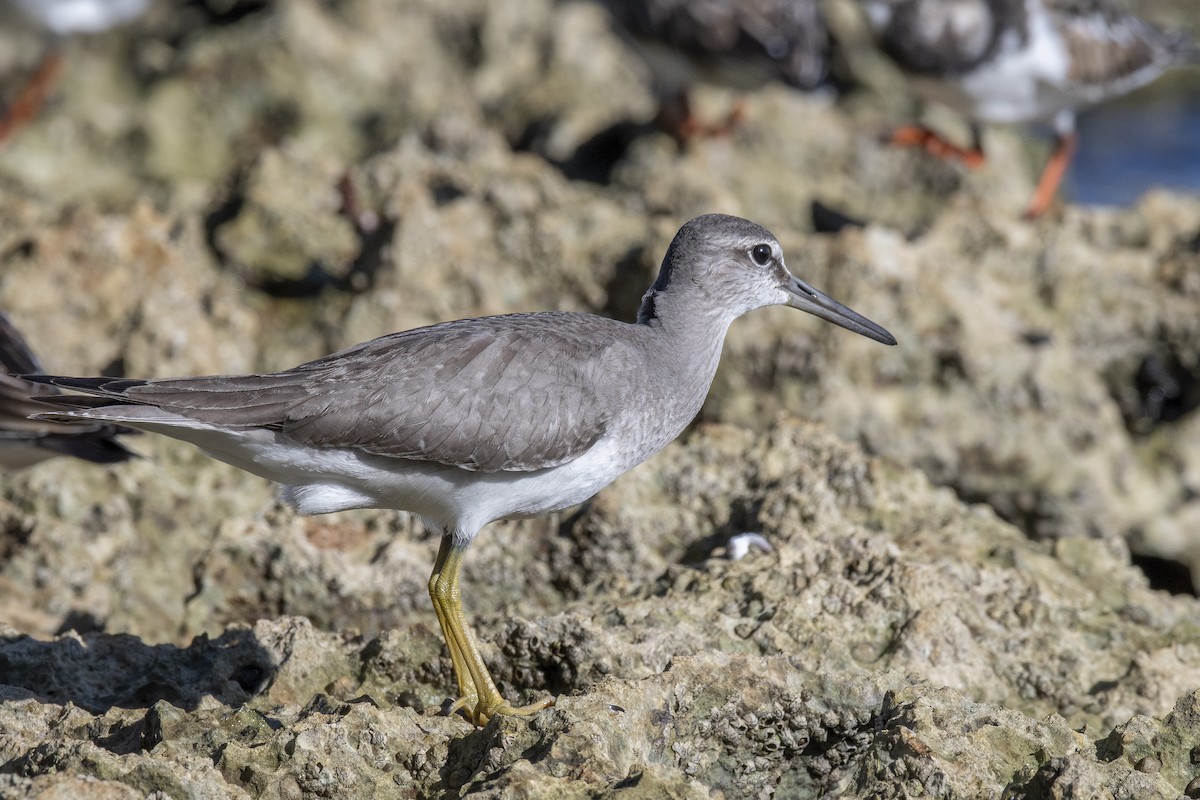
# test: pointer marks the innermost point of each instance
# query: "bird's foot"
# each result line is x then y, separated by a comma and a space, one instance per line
467, 702
934, 144
497, 706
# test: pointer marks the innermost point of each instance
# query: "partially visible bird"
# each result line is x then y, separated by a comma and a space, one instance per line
24, 441
1020, 61
477, 420
64, 17
59, 19
737, 43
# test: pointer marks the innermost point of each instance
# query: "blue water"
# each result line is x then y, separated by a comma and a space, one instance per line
1151, 138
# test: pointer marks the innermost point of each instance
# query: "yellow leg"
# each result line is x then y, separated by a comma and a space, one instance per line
478, 697
467, 698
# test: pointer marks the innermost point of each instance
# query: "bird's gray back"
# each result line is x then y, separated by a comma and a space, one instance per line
509, 393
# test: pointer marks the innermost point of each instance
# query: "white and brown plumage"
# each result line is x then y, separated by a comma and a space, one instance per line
24, 441
482, 419
1019, 61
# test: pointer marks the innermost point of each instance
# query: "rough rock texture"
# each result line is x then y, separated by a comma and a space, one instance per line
949, 608
893, 637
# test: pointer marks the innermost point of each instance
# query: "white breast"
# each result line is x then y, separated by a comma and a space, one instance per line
1023, 83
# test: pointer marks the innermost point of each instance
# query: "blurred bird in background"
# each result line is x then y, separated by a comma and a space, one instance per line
24, 441
741, 44
1020, 61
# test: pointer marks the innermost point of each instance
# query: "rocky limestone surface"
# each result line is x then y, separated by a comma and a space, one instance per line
894, 642
950, 607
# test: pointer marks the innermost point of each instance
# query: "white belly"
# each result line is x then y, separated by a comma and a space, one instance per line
320, 481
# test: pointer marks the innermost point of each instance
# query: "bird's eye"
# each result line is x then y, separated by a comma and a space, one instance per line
761, 253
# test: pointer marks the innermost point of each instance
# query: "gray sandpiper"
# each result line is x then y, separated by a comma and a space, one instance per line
482, 419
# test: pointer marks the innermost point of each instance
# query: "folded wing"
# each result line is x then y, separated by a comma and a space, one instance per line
510, 393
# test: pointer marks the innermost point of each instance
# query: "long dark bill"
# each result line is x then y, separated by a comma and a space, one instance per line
817, 303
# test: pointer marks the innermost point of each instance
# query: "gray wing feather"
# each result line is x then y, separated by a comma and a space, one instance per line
17, 403
512, 393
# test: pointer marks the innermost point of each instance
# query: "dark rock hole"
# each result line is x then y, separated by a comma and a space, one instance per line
1166, 575
250, 677
826, 219
594, 159
445, 192
227, 12
625, 288
81, 622
13, 536
1164, 390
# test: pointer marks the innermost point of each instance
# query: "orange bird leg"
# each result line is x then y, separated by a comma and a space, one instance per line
934, 144
31, 99
1052, 175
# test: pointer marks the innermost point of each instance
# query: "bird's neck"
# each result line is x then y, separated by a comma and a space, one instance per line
674, 309
690, 333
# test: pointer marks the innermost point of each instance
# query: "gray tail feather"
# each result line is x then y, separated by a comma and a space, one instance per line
112, 389
82, 401
98, 444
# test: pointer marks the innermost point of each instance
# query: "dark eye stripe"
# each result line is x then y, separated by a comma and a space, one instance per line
761, 253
